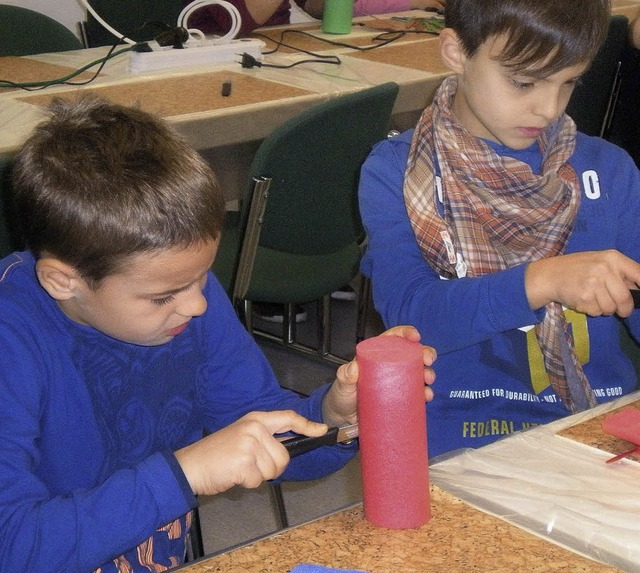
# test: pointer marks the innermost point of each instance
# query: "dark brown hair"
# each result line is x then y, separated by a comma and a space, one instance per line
544, 35
98, 182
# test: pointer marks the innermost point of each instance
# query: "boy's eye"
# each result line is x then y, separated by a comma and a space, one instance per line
163, 300
574, 83
521, 84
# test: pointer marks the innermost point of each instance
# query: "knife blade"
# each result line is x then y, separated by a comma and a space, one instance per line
303, 444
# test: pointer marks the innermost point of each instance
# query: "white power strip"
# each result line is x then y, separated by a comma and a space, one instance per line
194, 54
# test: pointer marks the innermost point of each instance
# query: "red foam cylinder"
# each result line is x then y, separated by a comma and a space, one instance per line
393, 432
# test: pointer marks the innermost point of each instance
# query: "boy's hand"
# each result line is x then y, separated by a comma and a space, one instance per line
593, 282
244, 453
339, 407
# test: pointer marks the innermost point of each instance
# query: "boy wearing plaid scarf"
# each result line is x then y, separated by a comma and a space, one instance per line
506, 237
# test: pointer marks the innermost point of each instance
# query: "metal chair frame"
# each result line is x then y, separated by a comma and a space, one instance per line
247, 257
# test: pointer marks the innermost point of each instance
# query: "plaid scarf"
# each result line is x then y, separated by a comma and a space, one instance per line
497, 214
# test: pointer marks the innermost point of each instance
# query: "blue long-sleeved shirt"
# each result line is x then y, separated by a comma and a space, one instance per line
489, 380
88, 425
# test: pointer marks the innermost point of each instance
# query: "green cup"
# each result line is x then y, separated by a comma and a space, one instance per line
337, 16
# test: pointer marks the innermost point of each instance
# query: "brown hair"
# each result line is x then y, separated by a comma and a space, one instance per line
98, 182
549, 35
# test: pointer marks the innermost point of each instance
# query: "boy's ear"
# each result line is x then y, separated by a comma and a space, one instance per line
59, 279
451, 50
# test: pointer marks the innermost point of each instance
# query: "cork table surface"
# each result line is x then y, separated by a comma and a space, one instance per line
458, 538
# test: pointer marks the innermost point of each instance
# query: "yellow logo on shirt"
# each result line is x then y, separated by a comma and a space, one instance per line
539, 377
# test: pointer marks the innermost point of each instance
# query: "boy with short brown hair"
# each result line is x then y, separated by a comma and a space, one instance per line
120, 350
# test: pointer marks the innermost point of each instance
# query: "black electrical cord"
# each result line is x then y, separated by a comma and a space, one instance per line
65, 80
383, 39
249, 61
392, 37
170, 35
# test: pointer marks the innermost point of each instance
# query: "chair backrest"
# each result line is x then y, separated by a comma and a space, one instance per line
139, 20
593, 99
10, 238
313, 161
24, 32
625, 124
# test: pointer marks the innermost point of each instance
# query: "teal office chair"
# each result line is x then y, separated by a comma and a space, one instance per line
298, 235
24, 32
593, 100
139, 20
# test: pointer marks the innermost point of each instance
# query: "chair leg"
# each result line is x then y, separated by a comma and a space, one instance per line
195, 534
278, 498
289, 324
287, 337
324, 325
364, 297
244, 310
245, 313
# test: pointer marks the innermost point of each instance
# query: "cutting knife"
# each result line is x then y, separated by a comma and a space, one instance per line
302, 444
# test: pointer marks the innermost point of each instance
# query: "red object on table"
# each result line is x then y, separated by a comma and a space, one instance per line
626, 426
393, 432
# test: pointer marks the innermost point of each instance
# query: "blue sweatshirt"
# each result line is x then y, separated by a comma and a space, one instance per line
88, 425
489, 382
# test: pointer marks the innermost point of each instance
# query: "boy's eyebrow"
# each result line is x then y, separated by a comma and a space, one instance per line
541, 74
536, 74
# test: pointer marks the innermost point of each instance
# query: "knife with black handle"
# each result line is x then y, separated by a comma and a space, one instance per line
303, 444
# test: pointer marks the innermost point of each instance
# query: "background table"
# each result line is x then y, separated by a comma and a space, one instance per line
228, 130
261, 98
190, 98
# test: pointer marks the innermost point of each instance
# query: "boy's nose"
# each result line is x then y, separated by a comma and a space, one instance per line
192, 303
548, 105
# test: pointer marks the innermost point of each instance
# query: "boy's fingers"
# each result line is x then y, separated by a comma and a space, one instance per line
348, 372
282, 421
430, 355
409, 332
